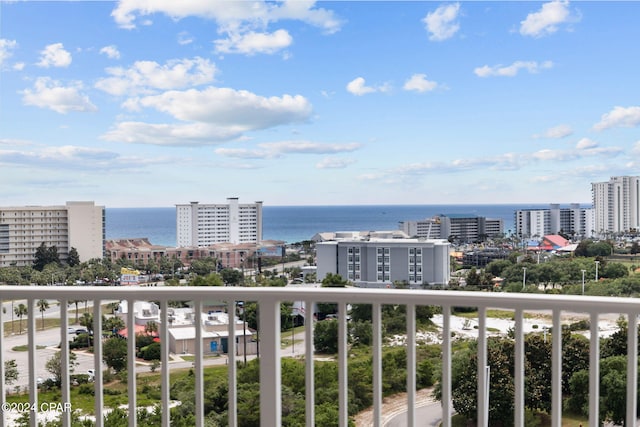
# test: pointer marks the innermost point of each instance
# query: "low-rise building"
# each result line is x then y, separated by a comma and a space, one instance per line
373, 262
463, 228
182, 328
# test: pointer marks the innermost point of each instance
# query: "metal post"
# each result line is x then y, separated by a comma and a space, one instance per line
597, 263
583, 271
524, 277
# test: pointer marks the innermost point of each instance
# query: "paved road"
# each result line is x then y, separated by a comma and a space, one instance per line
427, 415
47, 342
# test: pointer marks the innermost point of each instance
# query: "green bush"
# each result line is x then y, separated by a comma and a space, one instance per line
151, 352
87, 389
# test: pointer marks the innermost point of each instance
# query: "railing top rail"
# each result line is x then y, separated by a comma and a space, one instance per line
351, 295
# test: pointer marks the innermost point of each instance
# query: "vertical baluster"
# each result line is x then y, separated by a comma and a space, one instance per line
594, 372
556, 371
377, 364
343, 381
632, 368
310, 394
446, 366
411, 365
270, 368
519, 369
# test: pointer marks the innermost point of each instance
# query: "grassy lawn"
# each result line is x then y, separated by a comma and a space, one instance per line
115, 391
25, 347
49, 322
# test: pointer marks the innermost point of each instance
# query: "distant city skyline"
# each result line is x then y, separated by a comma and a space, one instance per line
314, 103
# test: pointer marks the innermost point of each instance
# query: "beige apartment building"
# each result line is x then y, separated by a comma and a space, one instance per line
79, 225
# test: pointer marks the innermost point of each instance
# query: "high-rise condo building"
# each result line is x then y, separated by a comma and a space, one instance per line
199, 225
573, 221
617, 204
23, 229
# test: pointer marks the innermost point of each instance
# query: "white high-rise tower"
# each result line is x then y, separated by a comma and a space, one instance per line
617, 204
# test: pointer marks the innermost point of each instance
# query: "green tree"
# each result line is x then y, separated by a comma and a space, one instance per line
43, 305
114, 353
20, 311
10, 371
325, 338
204, 266
73, 258
54, 365
87, 321
112, 324
334, 281
76, 302
151, 328
614, 270
40, 258
231, 277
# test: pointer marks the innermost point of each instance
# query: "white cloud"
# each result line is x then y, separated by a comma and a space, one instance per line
358, 87
184, 38
619, 117
68, 157
513, 69
228, 13
556, 132
309, 147
250, 43
54, 55
18, 66
6, 49
14, 142
586, 143
584, 149
48, 93
269, 150
419, 83
190, 134
83, 159
111, 51
147, 76
212, 115
244, 23
244, 153
442, 23
334, 163
546, 20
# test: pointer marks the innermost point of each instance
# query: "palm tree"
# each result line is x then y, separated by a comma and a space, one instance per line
76, 302
87, 321
20, 310
43, 305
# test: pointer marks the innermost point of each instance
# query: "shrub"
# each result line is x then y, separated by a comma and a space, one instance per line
86, 389
151, 352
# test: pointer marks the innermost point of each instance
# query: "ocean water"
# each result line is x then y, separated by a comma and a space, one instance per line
296, 223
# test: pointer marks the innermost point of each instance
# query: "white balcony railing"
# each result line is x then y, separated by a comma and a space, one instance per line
270, 352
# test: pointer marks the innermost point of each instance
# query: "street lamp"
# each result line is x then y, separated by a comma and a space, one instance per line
597, 263
524, 277
583, 271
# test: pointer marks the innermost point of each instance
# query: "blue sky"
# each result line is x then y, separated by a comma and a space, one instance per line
308, 103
